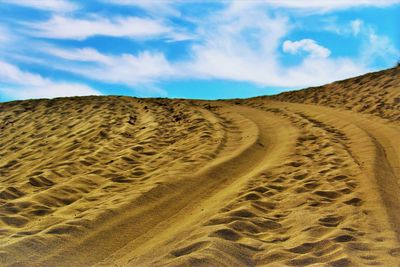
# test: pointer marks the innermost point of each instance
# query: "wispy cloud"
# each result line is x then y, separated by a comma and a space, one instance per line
80, 54
356, 26
328, 5
49, 5
347, 28
18, 84
242, 44
236, 44
61, 27
5, 35
376, 47
307, 45
165, 7
145, 68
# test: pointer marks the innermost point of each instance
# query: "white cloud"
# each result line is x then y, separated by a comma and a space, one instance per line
18, 84
61, 27
79, 54
307, 45
378, 47
165, 7
331, 24
319, 71
328, 5
237, 44
132, 70
50, 91
50, 5
5, 35
356, 26
12, 74
242, 44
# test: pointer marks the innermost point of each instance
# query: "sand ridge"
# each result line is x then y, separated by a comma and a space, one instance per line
374, 93
120, 181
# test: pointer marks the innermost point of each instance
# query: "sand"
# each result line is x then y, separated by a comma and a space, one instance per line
303, 178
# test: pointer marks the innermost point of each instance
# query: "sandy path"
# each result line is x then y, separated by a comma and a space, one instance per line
375, 144
273, 141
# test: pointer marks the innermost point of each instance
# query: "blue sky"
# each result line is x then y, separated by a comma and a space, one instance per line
190, 49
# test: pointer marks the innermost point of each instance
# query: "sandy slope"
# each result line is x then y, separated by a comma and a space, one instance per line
132, 182
373, 93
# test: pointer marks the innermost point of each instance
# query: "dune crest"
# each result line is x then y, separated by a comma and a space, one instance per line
302, 178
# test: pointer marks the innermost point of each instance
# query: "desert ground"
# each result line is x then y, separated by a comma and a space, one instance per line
304, 178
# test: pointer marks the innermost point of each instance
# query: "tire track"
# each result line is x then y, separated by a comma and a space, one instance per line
232, 175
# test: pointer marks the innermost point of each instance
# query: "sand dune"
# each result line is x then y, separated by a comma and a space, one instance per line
119, 181
374, 93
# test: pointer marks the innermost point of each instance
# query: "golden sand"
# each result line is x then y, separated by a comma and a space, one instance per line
120, 181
